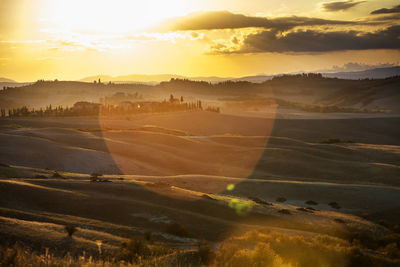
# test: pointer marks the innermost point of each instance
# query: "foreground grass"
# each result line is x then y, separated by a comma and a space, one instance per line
255, 248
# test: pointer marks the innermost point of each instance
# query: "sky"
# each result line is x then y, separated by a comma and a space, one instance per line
72, 39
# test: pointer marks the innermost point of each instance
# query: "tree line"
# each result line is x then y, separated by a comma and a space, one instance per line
84, 108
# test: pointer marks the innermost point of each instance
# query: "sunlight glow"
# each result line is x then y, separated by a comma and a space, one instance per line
117, 16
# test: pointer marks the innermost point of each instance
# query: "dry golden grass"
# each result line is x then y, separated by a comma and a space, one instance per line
255, 248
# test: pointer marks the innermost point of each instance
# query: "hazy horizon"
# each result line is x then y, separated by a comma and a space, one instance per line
348, 67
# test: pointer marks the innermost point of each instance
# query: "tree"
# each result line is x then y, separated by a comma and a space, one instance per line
70, 229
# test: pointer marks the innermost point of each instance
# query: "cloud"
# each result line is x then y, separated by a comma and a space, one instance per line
340, 6
395, 9
218, 20
317, 41
386, 18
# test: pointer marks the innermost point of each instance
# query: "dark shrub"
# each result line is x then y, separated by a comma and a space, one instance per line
57, 175
281, 199
305, 210
285, 211
148, 236
311, 202
338, 220
206, 254
383, 223
134, 250
178, 230
260, 201
365, 215
334, 205
70, 229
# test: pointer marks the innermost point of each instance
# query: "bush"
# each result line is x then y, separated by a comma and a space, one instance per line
134, 250
148, 236
70, 229
311, 202
304, 210
57, 175
260, 201
285, 211
338, 220
334, 205
178, 230
281, 199
206, 254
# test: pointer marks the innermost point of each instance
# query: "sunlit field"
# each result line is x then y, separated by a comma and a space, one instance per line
199, 133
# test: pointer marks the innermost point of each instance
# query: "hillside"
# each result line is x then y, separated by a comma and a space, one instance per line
379, 94
192, 178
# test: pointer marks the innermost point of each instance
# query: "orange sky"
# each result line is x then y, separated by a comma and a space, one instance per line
48, 39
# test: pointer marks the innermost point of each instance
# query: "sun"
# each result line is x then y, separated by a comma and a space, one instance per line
112, 16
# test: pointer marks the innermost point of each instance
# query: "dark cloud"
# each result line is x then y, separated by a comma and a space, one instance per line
395, 9
385, 18
315, 41
340, 6
226, 20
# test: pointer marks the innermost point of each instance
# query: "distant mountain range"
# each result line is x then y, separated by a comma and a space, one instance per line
377, 73
156, 78
5, 80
